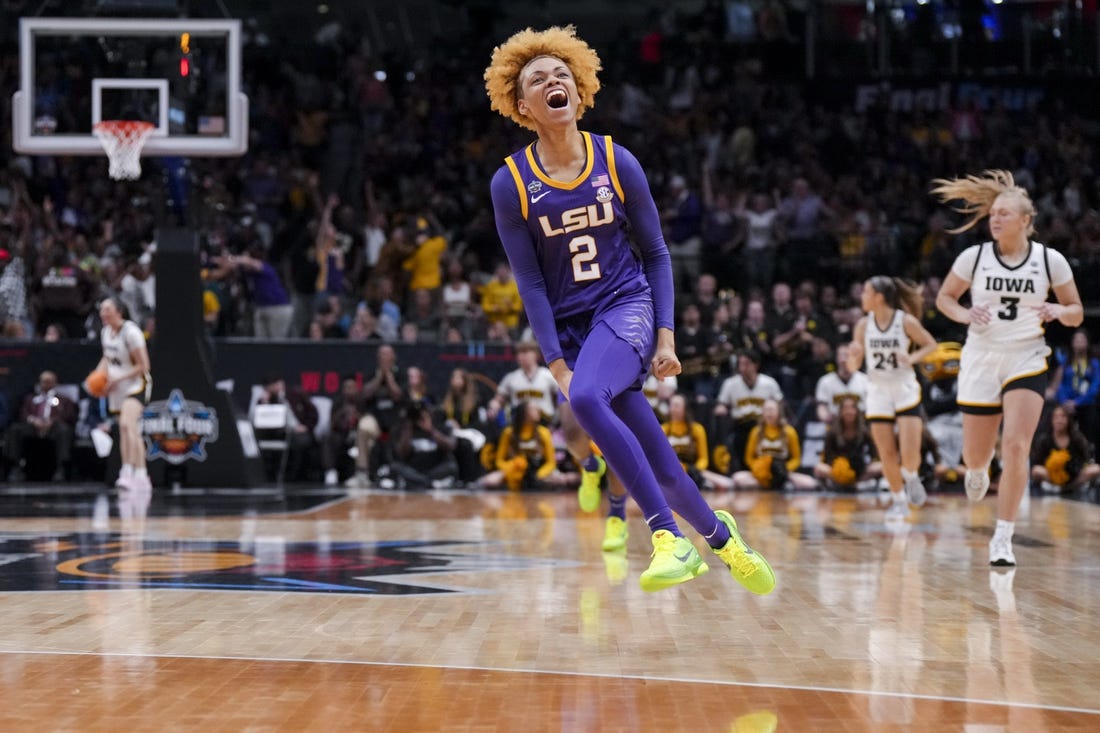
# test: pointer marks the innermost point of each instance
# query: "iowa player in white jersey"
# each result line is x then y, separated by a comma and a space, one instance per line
882, 339
126, 361
1003, 373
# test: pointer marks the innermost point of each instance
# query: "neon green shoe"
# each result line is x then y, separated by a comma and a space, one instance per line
748, 567
614, 535
588, 494
675, 561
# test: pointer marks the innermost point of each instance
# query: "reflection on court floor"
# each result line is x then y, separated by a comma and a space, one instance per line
459, 611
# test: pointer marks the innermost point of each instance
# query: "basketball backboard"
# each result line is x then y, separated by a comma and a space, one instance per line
181, 75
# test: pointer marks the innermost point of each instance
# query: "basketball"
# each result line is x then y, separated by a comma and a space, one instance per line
96, 383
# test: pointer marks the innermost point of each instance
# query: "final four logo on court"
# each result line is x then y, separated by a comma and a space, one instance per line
178, 429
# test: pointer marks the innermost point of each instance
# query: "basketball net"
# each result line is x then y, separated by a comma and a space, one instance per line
122, 140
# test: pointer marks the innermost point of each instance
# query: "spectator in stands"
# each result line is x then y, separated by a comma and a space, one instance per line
378, 299
529, 382
682, 220
138, 289
836, 386
525, 456
425, 315
423, 452
723, 341
802, 214
500, 301
302, 418
47, 415
417, 389
722, 234
383, 401
848, 456
689, 439
693, 348
457, 297
786, 331
347, 410
762, 237
272, 310
741, 403
773, 454
1061, 457
705, 297
465, 414
754, 334
1076, 382
424, 265
330, 249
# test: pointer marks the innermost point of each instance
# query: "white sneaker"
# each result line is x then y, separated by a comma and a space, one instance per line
899, 510
331, 477
914, 489
359, 481
1000, 551
977, 483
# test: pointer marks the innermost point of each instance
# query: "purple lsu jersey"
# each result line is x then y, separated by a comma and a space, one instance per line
579, 231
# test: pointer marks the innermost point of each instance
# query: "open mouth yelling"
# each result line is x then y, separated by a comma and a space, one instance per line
557, 98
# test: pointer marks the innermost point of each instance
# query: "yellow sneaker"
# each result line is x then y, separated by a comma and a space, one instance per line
675, 561
588, 493
748, 567
614, 535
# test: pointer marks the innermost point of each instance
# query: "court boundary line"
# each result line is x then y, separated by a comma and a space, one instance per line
600, 675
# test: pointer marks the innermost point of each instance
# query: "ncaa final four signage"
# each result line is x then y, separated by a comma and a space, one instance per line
178, 429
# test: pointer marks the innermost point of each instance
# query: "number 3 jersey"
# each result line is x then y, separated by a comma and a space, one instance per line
1013, 294
567, 241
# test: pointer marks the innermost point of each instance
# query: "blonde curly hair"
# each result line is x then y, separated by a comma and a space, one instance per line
510, 58
978, 194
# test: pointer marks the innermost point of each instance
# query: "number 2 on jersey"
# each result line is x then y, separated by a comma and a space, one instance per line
584, 251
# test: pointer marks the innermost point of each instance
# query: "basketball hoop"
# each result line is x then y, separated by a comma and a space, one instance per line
122, 140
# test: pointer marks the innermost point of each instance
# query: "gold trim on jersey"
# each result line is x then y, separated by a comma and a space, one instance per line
977, 404
519, 185
1018, 377
609, 150
530, 151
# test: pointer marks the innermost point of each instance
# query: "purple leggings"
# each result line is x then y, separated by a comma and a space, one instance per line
617, 416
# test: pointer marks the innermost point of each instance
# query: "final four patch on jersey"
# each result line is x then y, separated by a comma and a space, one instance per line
604, 194
534, 186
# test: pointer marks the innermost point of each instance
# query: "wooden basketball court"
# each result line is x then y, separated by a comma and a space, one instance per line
497, 612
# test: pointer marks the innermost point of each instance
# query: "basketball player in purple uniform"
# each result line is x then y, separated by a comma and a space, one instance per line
602, 317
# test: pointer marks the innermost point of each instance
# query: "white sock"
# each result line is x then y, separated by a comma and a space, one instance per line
127, 470
140, 472
978, 469
907, 475
1005, 528
899, 497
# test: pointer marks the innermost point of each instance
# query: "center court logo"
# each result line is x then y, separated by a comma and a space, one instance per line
82, 561
178, 429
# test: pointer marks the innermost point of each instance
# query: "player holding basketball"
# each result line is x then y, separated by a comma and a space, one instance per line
882, 338
601, 317
1003, 373
126, 361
